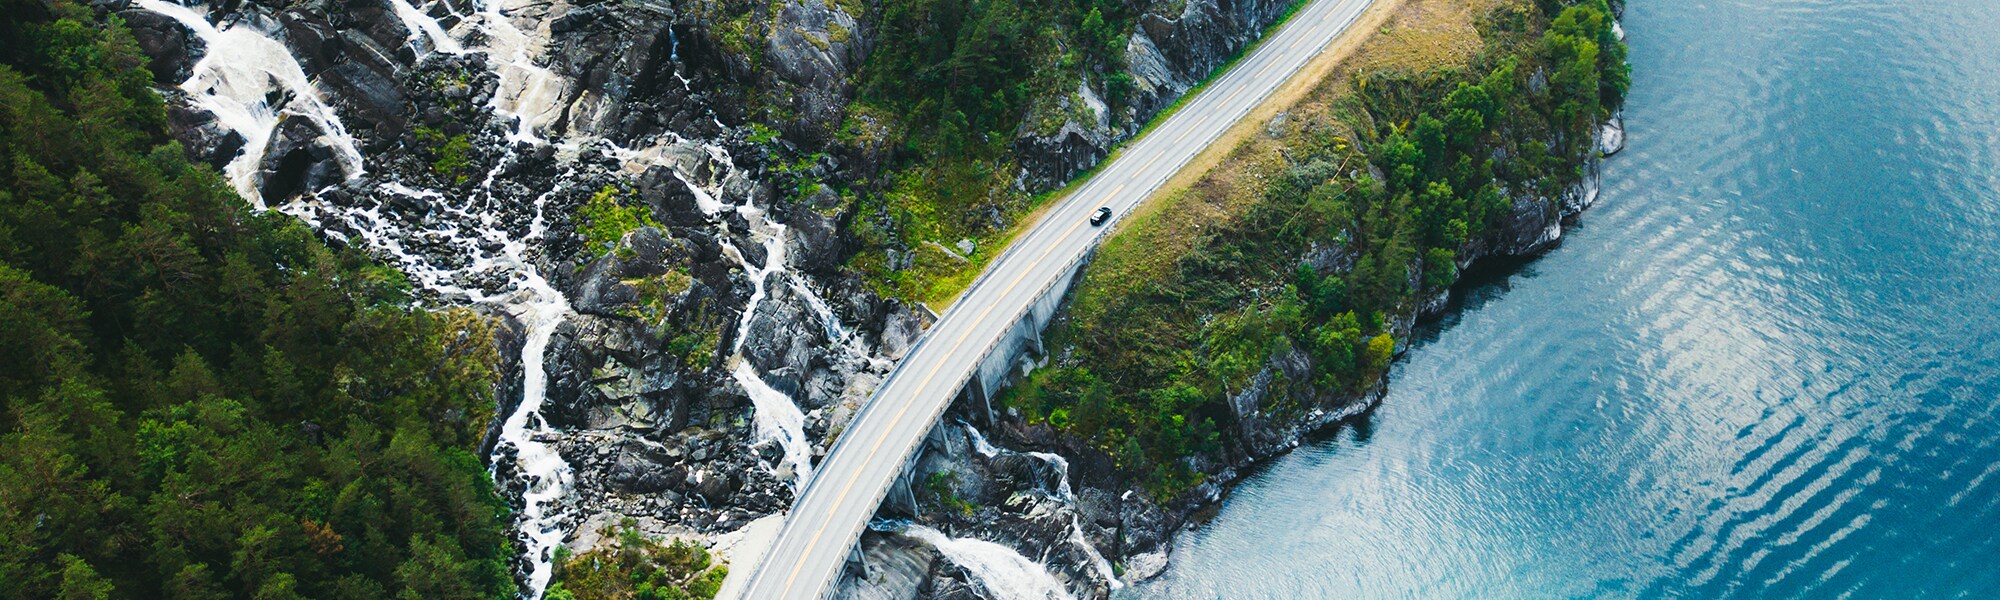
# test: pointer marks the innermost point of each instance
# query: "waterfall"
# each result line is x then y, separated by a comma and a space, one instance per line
1000, 571
239, 78
528, 92
1063, 492
250, 81
549, 476
777, 416
422, 26
777, 420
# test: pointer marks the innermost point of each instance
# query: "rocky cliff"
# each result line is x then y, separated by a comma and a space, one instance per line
1068, 502
688, 370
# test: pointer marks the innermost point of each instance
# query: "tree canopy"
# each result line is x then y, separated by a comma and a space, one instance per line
201, 401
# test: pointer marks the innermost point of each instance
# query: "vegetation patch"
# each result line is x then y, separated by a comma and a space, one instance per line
637, 568
200, 401
604, 220
657, 295
949, 104
941, 485
699, 339
451, 156
1295, 249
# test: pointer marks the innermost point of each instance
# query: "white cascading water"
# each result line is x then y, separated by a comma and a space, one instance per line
423, 27
528, 92
542, 309
778, 418
243, 68
236, 79
1064, 493
1003, 573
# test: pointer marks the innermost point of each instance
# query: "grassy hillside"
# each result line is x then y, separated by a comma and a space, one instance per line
1410, 152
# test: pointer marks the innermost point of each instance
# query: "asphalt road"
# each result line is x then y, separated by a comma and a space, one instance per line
804, 561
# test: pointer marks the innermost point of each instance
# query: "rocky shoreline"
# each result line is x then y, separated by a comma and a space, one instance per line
1024, 498
684, 375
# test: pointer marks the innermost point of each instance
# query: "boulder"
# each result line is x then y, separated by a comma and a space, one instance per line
785, 338
814, 245
296, 161
173, 48
202, 136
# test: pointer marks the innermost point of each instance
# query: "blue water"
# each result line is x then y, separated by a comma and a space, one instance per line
1767, 366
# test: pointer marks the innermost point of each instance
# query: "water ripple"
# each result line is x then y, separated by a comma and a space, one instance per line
1768, 366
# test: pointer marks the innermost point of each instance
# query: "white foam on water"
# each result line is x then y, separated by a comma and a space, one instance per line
528, 92
423, 27
1003, 573
777, 416
1097, 562
1063, 492
238, 76
549, 477
777, 420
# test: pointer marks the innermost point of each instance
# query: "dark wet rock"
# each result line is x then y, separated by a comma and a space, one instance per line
608, 286
297, 161
173, 48
902, 327
205, 140
784, 338
672, 199
814, 245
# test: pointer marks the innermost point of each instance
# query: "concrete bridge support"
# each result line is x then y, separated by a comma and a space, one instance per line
1023, 340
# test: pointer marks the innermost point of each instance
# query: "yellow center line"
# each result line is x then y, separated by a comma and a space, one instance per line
877, 448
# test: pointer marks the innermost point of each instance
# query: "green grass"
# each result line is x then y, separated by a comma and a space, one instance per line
938, 284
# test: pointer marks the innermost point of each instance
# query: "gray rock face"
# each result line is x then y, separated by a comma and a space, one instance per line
784, 340
813, 48
639, 70
1167, 55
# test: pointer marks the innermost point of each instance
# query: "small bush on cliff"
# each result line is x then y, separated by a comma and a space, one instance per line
638, 568
605, 219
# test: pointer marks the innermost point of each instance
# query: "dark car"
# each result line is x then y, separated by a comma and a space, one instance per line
1098, 218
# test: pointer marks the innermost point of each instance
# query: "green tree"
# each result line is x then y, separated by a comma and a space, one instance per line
196, 396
